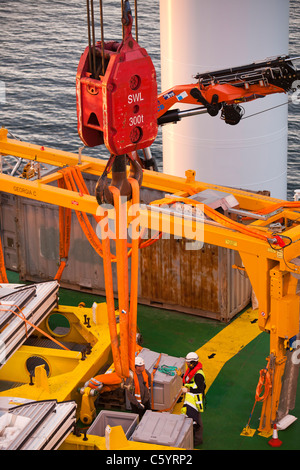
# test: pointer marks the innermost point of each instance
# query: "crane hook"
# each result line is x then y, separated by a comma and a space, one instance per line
117, 164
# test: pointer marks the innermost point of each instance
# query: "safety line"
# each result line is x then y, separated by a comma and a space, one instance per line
22, 317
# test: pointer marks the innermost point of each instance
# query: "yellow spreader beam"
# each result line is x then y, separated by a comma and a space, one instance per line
68, 370
272, 270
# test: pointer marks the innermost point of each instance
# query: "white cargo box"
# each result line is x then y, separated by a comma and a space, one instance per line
166, 388
165, 429
128, 421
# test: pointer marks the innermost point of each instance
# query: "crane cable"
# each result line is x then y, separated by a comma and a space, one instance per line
92, 35
268, 109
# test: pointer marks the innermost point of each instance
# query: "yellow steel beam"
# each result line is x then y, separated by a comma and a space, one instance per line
46, 155
211, 232
67, 369
45, 193
215, 234
270, 271
159, 181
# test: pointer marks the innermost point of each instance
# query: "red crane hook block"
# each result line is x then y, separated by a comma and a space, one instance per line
118, 106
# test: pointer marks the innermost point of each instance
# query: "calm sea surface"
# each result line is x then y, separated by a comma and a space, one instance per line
41, 44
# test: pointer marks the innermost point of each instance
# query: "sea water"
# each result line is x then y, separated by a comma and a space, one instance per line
41, 44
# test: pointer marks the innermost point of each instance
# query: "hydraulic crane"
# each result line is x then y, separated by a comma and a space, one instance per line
225, 90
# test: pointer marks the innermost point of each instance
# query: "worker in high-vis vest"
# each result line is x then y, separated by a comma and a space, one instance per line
139, 392
194, 394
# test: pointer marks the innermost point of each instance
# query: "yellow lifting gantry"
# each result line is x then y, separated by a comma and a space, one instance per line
273, 269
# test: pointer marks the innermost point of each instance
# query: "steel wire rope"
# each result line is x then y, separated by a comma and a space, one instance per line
102, 36
93, 38
265, 110
89, 32
136, 20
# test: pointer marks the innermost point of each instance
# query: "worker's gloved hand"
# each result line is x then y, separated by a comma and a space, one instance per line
94, 383
142, 406
184, 389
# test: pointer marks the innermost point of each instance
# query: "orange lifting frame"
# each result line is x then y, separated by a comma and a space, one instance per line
273, 272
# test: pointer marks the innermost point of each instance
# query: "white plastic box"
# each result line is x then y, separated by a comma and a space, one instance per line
128, 421
166, 388
165, 429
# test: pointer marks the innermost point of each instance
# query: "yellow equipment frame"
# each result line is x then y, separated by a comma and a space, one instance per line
272, 272
69, 370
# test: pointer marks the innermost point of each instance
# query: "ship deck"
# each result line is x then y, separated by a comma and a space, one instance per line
231, 357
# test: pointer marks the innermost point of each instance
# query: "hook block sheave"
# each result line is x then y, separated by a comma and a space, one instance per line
119, 107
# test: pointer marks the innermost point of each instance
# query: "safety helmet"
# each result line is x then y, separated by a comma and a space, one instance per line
191, 357
139, 361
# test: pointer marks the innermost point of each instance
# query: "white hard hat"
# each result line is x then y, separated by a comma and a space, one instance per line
139, 361
192, 356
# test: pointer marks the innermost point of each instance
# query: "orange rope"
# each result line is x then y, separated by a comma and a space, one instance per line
21, 313
110, 303
267, 209
217, 217
22, 317
173, 404
123, 351
64, 234
74, 181
83, 218
279, 205
122, 277
264, 383
133, 282
3, 276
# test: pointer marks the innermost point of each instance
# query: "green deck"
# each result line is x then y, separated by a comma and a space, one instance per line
231, 397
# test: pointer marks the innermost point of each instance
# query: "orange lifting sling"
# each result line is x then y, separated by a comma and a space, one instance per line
73, 181
3, 276
123, 351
